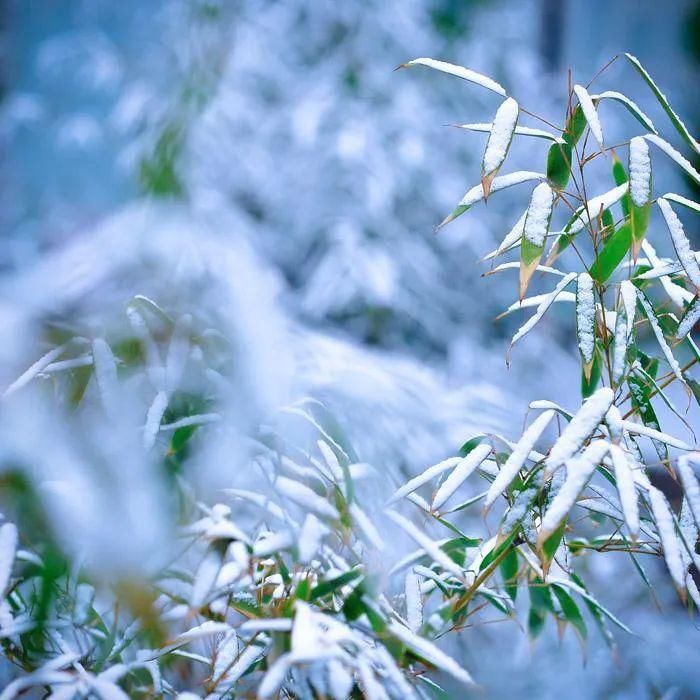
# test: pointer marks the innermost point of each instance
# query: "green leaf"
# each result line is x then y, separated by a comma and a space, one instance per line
559, 155
612, 254
331, 586
620, 177
571, 611
530, 255
590, 384
498, 550
548, 548
509, 570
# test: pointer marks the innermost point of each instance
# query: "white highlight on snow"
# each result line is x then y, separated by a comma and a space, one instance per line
585, 316
517, 457
538, 214
460, 72
581, 427
640, 171
686, 255
460, 473
500, 136
589, 111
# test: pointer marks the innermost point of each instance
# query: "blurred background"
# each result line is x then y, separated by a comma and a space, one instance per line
277, 133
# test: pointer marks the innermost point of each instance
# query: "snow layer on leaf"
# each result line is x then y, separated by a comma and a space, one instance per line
585, 214
626, 488
487, 127
414, 602
656, 328
542, 308
8, 549
585, 316
690, 318
676, 294
500, 136
579, 471
430, 652
310, 536
679, 199
589, 111
366, 526
517, 457
619, 347
430, 547
686, 255
628, 294
476, 193
631, 106
639, 429
674, 155
460, 72
640, 171
537, 299
690, 483
423, 478
461, 472
153, 419
105, 372
304, 496
663, 517
35, 369
538, 214
581, 427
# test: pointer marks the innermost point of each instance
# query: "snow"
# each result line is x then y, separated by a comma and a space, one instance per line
640, 171
589, 111
305, 497
690, 484
476, 193
690, 318
639, 429
656, 328
674, 155
500, 136
367, 527
626, 488
517, 457
537, 299
423, 478
631, 106
487, 127
414, 602
585, 316
584, 214
461, 472
678, 295
538, 214
578, 471
581, 427
665, 526
310, 537
460, 72
429, 652
188, 421
8, 549
541, 309
679, 199
153, 419
628, 294
35, 369
686, 255
619, 348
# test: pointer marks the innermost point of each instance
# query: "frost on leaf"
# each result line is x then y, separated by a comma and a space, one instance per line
581, 427
585, 319
499, 141
589, 111
640, 171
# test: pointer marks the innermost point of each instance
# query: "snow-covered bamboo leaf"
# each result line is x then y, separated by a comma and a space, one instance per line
674, 155
542, 308
466, 466
579, 471
690, 484
679, 199
431, 653
516, 266
585, 320
640, 191
305, 497
686, 255
631, 106
536, 300
105, 372
663, 517
459, 71
487, 127
677, 294
423, 478
500, 138
590, 113
691, 316
35, 369
518, 457
626, 488
539, 215
476, 193
638, 429
612, 254
581, 427
414, 602
663, 101
658, 333
560, 154
8, 549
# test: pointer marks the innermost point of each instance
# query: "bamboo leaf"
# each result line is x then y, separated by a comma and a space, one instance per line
500, 138
631, 106
459, 71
